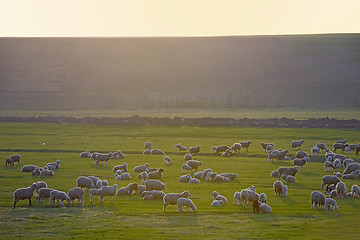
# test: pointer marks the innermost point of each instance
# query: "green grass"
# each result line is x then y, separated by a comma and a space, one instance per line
133, 218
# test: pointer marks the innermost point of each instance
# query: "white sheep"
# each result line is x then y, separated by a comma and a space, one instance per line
157, 152
123, 167
341, 141
171, 198
278, 187
352, 167
141, 168
210, 176
143, 176
275, 173
290, 179
194, 150
94, 192
54, 165
340, 189
187, 157
186, 168
297, 144
205, 172
198, 174
167, 160
321, 146
124, 176
27, 168
94, 179
132, 187
185, 202
16, 158
100, 157
264, 208
46, 173
185, 178
36, 171
217, 203
148, 146
355, 190
329, 202
119, 172
117, 154
219, 178
216, 196
265, 145
194, 164
262, 197
194, 180
231, 176
85, 154
76, 193
123, 191
329, 179
153, 195
236, 147
302, 154
24, 193
328, 165
284, 191
300, 162
237, 197
179, 147
318, 198
227, 153
59, 196
9, 162
147, 152
109, 191
153, 184
337, 164
141, 189
246, 144
315, 151
39, 185
85, 182
338, 174
43, 193
348, 161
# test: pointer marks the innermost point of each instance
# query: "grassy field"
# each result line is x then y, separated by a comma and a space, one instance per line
131, 217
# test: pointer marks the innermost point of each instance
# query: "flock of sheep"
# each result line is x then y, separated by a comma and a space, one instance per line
152, 187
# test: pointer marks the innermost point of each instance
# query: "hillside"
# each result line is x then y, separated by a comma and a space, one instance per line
319, 70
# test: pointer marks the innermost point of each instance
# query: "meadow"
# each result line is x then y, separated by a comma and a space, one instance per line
130, 217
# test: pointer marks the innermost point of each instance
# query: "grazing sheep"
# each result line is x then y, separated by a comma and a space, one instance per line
337, 164
140, 189
148, 146
290, 179
93, 157
123, 167
46, 173
144, 176
284, 190
132, 187
273, 155
9, 162
329, 179
264, 208
297, 144
156, 175
85, 182
328, 165
53, 166
27, 168
231, 176
219, 178
282, 154
346, 162
217, 203
153, 184
300, 162
36, 172
157, 152
236, 147
340, 189
109, 191
244, 196
194, 164
349, 176
352, 167
186, 168
194, 180
171, 198
39, 185
265, 145
59, 196
329, 189
147, 152
141, 168
315, 151
329, 202
94, 192
100, 157
338, 156
185, 202
340, 146
246, 144
117, 154
227, 153
119, 172
124, 176
205, 172
269, 148
85, 154
302, 154
94, 179
76, 193
179, 147
185, 178
355, 190
187, 157
167, 160
198, 174
318, 198
24, 193
216, 196
321, 146
262, 197
16, 158
194, 150
124, 191
278, 187
338, 174
154, 195
283, 176
288, 170
43, 193
275, 173
237, 197
341, 141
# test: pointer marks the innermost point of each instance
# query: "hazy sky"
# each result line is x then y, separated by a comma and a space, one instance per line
177, 17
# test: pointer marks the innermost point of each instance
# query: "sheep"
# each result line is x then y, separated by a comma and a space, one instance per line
16, 158
328, 165
109, 191
297, 144
278, 187
244, 196
237, 197
231, 176
100, 183
186, 168
157, 152
122, 191
156, 175
43, 193
179, 147
269, 148
351, 168
85, 182
94, 192
124, 176
185, 202
185, 178
329, 156
140, 189
273, 155
227, 153
194, 164
153, 184
132, 187
355, 190
315, 151
264, 145
59, 196
349, 176
346, 162
194, 150
198, 174
262, 197
216, 196
117, 154
144, 176
284, 190
46, 173
337, 164
290, 179
141, 168
100, 157
167, 160
123, 167
119, 172
275, 173
54, 165
85, 154
219, 178
213, 149
250, 196
9, 162
76, 193
329, 189
302, 154
39, 185
147, 152
36, 172
153, 195
300, 162
93, 157
27, 168
252, 188
283, 176
321, 146
148, 146
338, 174
341, 141
94, 179
353, 147
194, 180
171, 198
205, 172
288, 170
338, 156
236, 147
24, 193
329, 179
217, 203
282, 154
210, 176
340, 189
246, 144
264, 208
340, 146
318, 198
187, 157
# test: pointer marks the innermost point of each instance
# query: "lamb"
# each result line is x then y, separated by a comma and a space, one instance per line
39, 185
262, 197
27, 168
100, 183
264, 208
290, 179
124, 176
216, 196
59, 196
337, 164
231, 176
283, 176
355, 190
302, 154
153, 195
54, 165
100, 157
179, 147
194, 164
144, 176
9, 162
346, 162
16, 158
278, 187
217, 203
329, 179
328, 165
236, 147
24, 193
300, 162
141, 168
284, 190
46, 173
194, 180
315, 151
85, 182
219, 178
227, 153
167, 160
265, 145
352, 167
198, 174
288, 170
94, 192
185, 178
156, 175
43, 193
153, 184
340, 146
321, 146
318, 198
187, 157
157, 152
171, 198
148, 146
186, 168
246, 144
237, 197
123, 167
329, 202
194, 150
273, 155
297, 144
185, 202
340, 189
85, 154
275, 173
282, 154
109, 191
341, 141
132, 187
76, 193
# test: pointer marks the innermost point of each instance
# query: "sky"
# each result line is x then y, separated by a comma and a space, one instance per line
118, 18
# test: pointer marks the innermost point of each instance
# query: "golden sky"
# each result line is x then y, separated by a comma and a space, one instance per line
105, 18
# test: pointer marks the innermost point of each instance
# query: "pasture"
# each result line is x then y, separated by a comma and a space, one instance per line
130, 217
